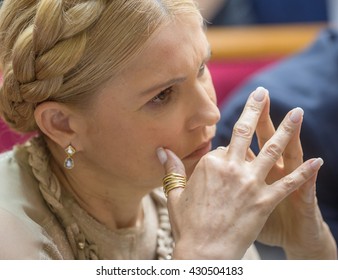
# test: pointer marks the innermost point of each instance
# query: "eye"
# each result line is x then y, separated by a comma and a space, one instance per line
163, 97
201, 70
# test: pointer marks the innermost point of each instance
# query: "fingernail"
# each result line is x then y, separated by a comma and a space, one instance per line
259, 94
317, 163
162, 155
296, 115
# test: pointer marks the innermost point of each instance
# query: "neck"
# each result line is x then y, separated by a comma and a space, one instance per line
113, 203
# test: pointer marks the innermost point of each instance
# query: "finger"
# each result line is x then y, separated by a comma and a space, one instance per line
293, 154
246, 125
250, 156
273, 149
307, 192
265, 128
300, 177
171, 164
222, 148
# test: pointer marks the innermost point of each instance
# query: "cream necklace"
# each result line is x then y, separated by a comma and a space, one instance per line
50, 189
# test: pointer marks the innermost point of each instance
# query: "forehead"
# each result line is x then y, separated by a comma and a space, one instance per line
174, 47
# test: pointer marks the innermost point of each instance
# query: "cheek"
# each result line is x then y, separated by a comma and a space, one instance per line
145, 154
137, 147
166, 136
127, 146
130, 154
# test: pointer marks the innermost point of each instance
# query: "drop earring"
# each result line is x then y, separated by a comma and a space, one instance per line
69, 162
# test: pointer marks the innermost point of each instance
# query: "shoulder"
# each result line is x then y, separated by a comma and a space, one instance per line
14, 168
19, 192
28, 229
22, 239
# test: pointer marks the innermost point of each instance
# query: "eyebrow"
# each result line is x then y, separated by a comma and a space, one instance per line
171, 82
163, 85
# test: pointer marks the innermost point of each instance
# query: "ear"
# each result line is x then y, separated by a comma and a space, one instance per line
56, 121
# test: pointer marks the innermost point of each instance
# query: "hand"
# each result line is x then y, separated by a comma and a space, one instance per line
296, 224
226, 201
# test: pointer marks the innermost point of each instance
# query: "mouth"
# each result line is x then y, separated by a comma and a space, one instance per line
200, 151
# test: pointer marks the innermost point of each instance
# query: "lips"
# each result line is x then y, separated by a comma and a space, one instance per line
199, 151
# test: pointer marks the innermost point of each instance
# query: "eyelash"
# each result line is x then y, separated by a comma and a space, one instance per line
166, 93
163, 97
201, 70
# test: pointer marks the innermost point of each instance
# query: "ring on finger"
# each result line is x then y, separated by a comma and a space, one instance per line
222, 148
172, 181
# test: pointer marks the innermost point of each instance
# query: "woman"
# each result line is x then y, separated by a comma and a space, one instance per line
120, 95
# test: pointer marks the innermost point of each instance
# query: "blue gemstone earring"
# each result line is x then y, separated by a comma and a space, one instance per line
69, 162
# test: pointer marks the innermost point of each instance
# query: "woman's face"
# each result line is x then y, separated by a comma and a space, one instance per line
164, 98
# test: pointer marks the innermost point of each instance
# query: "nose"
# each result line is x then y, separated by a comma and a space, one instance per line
204, 110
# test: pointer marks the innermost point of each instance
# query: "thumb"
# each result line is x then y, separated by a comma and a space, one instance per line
171, 164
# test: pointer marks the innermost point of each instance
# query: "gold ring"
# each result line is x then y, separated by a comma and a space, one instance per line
172, 181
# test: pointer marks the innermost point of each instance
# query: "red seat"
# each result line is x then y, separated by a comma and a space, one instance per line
227, 75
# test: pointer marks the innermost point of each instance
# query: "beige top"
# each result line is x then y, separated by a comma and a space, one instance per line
30, 230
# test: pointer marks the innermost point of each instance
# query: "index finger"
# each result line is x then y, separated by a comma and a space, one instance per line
246, 125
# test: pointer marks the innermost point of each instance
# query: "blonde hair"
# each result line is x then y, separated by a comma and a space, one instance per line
65, 50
